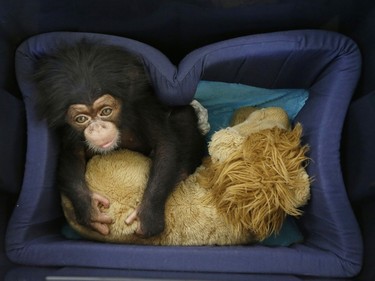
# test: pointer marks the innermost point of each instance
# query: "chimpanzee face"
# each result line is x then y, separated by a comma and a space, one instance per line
98, 122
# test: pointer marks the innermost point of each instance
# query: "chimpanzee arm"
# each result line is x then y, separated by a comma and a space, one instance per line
156, 131
71, 182
164, 175
177, 149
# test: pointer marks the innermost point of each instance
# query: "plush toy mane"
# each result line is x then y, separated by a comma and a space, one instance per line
253, 178
259, 170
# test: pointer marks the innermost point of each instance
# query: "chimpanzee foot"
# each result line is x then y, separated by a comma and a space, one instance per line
99, 220
150, 223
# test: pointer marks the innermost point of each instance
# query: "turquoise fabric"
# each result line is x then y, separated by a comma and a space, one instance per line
222, 99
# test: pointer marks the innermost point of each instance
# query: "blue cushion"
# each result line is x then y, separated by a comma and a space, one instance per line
288, 235
326, 64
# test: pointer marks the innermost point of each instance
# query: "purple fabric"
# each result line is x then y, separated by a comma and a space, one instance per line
326, 64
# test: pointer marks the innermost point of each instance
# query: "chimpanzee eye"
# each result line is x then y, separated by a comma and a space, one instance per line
106, 111
80, 119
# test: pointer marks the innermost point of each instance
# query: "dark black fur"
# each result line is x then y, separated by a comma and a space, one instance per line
83, 72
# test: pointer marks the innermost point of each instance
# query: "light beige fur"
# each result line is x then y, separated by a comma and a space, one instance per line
241, 193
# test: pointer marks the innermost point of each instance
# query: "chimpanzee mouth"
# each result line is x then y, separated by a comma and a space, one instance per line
105, 147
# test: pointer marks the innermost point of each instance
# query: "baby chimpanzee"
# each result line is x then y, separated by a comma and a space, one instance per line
99, 98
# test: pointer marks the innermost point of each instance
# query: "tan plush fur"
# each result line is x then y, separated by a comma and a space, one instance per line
242, 192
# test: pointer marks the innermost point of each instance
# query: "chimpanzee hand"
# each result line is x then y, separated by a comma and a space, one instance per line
99, 221
151, 221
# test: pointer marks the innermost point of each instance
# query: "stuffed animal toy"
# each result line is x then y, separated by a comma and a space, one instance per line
252, 179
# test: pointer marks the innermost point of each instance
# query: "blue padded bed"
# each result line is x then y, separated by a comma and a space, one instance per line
326, 64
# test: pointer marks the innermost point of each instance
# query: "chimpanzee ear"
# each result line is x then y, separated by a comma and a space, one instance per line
52, 99
52, 110
136, 72
50, 103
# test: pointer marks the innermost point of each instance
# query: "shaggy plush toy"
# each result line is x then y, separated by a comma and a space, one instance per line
252, 179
